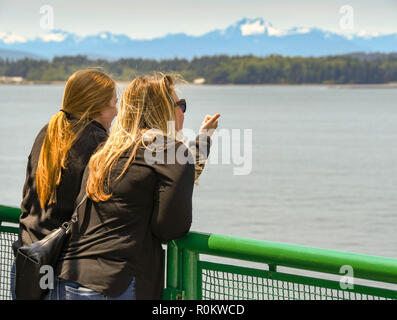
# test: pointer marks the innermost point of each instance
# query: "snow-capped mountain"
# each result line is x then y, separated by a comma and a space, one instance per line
247, 36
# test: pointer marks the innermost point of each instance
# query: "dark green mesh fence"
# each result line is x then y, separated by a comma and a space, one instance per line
229, 282
6, 260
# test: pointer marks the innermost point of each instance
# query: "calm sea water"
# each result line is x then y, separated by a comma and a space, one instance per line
324, 161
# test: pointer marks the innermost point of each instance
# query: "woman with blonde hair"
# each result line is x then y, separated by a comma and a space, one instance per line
133, 203
61, 152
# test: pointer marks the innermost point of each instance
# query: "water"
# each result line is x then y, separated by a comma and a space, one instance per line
324, 161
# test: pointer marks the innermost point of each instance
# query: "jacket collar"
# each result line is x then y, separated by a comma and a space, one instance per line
97, 124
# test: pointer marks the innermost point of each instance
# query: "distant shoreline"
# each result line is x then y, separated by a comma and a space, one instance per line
392, 85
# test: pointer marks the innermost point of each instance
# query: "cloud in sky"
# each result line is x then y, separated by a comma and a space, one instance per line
253, 28
149, 19
56, 37
8, 38
260, 27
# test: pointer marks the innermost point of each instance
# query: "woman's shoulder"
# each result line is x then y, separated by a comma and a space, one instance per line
92, 135
169, 153
163, 164
171, 162
38, 142
98, 131
166, 151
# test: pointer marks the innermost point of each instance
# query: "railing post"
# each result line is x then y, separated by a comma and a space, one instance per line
189, 281
172, 266
173, 290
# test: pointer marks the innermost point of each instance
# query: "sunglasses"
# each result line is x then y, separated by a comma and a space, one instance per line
181, 103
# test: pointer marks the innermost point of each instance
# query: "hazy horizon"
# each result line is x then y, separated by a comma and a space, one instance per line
152, 20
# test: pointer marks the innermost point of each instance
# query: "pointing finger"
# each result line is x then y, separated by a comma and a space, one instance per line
214, 118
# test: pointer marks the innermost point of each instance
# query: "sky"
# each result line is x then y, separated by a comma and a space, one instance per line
150, 19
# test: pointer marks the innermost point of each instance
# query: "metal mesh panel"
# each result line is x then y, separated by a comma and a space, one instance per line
224, 282
6, 260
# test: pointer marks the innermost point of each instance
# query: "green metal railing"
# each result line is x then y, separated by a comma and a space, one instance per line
191, 275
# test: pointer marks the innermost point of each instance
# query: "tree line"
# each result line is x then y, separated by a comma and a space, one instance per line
221, 69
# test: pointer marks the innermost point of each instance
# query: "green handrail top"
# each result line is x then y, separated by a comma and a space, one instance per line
367, 267
10, 214
289, 255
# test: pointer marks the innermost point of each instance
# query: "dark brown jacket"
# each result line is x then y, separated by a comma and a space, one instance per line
35, 222
119, 239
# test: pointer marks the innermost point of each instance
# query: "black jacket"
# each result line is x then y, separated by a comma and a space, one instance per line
119, 239
35, 222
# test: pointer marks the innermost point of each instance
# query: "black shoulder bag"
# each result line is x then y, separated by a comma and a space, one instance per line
31, 258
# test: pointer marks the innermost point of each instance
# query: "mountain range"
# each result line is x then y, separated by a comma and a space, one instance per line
247, 36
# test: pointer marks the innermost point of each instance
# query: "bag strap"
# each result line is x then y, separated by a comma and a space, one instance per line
66, 225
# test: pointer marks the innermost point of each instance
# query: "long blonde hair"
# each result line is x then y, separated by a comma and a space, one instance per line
87, 93
146, 104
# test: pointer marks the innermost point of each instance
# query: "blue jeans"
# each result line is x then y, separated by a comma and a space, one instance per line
12, 280
66, 290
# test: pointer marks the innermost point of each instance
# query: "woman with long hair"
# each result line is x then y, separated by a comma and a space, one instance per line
139, 189
61, 152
